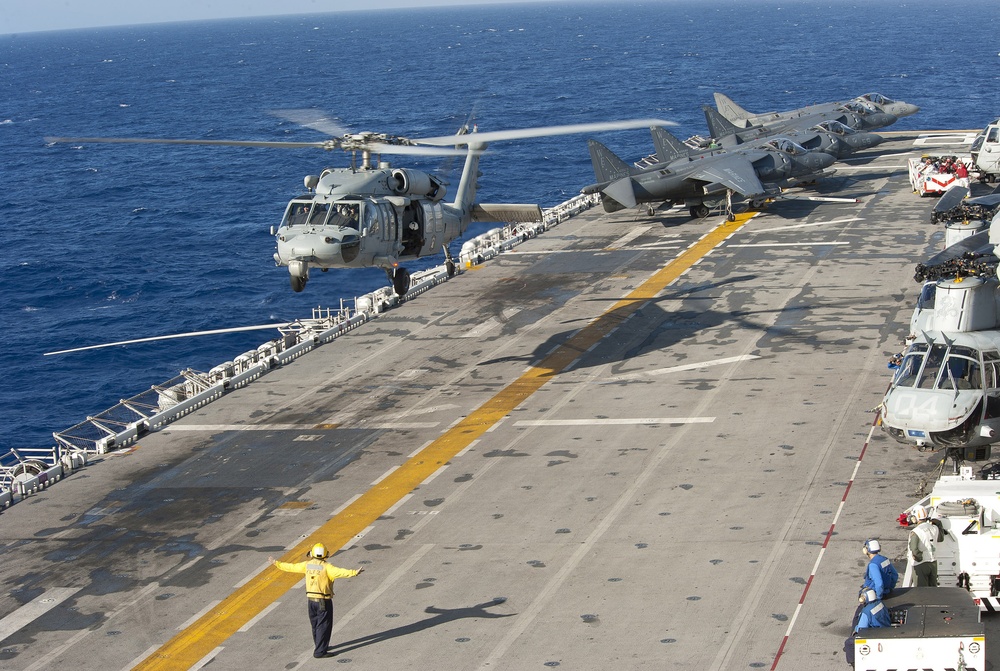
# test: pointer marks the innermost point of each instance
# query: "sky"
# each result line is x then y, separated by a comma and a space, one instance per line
23, 16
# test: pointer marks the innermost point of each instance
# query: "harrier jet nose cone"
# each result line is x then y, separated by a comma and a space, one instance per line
901, 109
821, 161
881, 120
863, 140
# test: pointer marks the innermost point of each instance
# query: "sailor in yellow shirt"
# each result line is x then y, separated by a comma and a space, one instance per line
320, 575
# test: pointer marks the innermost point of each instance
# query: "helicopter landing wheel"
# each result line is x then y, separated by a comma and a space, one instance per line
450, 267
401, 281
298, 274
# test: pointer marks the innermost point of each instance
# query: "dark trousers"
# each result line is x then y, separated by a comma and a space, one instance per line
321, 618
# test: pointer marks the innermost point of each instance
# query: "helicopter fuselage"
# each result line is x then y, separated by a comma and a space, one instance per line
946, 392
399, 216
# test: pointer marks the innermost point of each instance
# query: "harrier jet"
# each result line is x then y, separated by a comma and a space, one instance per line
700, 179
872, 110
812, 132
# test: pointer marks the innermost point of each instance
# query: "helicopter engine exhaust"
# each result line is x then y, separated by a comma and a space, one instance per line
415, 183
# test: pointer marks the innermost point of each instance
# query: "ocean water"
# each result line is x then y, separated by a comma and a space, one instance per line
112, 242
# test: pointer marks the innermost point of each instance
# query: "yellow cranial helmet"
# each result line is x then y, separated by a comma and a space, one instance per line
319, 551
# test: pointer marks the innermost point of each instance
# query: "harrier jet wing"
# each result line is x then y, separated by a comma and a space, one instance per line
733, 171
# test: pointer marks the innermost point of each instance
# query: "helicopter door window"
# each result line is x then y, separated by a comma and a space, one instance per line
927, 295
991, 369
369, 215
389, 217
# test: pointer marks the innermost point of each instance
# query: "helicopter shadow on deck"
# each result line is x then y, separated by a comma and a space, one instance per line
651, 327
438, 617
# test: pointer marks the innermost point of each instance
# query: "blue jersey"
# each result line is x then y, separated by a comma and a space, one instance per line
874, 614
881, 576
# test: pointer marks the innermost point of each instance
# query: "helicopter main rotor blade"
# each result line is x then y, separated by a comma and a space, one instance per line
191, 334
326, 144
541, 131
402, 149
345, 144
314, 119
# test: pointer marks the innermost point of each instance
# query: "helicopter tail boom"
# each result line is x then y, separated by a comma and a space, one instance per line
465, 197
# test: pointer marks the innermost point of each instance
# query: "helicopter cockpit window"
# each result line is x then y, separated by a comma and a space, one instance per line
994, 135
346, 215
297, 213
908, 370
961, 370
932, 366
319, 212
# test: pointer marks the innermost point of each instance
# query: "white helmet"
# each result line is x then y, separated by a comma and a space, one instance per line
872, 546
920, 513
868, 596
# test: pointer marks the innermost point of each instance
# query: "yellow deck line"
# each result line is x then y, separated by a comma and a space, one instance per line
207, 633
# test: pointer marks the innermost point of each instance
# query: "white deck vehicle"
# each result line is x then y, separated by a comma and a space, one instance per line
968, 555
933, 629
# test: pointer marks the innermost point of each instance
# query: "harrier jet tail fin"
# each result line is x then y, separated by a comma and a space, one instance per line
731, 110
718, 125
668, 147
607, 166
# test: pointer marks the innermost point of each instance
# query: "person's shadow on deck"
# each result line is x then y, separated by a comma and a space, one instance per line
440, 616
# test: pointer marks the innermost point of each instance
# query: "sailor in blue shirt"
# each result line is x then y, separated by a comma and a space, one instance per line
880, 574
873, 613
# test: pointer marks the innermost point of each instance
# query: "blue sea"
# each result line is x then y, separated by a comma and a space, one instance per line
111, 242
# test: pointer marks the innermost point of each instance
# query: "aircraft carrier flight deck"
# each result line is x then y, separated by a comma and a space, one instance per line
631, 442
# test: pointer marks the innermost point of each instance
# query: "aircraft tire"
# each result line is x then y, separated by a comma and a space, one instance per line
401, 281
699, 211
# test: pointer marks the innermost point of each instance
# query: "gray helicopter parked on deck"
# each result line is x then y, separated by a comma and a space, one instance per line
372, 214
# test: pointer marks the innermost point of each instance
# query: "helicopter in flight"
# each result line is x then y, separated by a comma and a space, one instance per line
374, 214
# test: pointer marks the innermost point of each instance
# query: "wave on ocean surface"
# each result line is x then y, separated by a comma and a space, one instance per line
111, 242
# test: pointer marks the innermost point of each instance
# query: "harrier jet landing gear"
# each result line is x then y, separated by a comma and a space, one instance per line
699, 211
730, 215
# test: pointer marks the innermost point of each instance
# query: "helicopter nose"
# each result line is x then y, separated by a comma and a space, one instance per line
928, 410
